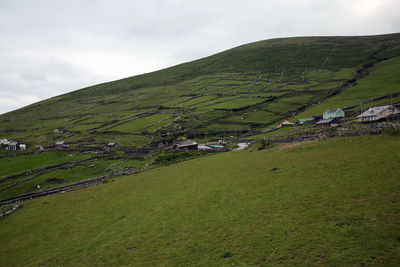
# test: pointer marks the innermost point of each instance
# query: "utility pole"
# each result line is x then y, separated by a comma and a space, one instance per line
293, 113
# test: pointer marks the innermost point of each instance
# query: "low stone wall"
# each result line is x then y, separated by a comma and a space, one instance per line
8, 212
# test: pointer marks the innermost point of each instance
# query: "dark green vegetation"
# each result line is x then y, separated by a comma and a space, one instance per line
333, 202
228, 94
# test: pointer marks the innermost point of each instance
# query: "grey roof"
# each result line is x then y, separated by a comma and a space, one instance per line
373, 111
4, 141
201, 147
325, 121
111, 144
13, 143
332, 110
186, 143
60, 142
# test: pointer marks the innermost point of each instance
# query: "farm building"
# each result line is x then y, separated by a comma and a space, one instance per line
13, 145
112, 144
216, 146
328, 122
4, 142
377, 113
285, 123
304, 121
203, 147
61, 144
333, 113
22, 146
185, 145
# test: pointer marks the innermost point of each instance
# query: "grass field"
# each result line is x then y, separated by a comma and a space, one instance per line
333, 202
383, 80
14, 165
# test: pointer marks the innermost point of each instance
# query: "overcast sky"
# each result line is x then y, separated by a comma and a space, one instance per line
50, 47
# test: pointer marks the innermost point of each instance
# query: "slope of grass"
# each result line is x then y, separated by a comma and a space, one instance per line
334, 202
247, 88
383, 80
247, 75
14, 165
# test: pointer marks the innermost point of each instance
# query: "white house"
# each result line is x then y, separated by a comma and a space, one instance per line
13, 146
377, 113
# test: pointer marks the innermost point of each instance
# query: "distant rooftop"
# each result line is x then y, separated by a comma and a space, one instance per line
332, 110
374, 111
325, 121
186, 143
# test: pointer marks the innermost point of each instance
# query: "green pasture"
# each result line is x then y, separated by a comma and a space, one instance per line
383, 80
14, 165
237, 103
241, 208
140, 123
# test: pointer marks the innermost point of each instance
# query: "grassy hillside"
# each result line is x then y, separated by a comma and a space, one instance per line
333, 202
246, 88
228, 96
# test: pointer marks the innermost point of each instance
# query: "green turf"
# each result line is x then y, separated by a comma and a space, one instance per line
383, 80
141, 123
14, 165
331, 203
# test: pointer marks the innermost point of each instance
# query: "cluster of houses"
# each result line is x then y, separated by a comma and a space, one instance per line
62, 144
191, 145
331, 117
11, 145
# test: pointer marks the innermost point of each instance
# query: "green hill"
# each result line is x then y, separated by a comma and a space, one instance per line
246, 88
334, 202
228, 96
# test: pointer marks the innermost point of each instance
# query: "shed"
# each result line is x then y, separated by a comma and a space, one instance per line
328, 122
185, 145
203, 147
61, 144
377, 113
285, 123
333, 113
111, 144
4, 142
304, 121
13, 146
217, 146
22, 146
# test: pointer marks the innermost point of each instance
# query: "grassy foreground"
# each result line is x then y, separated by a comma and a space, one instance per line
333, 202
